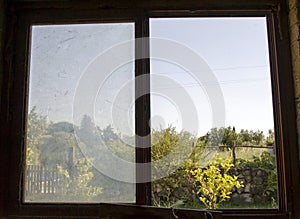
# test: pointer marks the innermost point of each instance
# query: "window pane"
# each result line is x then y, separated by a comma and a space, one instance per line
80, 125
211, 108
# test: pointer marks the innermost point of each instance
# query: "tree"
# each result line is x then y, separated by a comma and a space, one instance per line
270, 138
61, 127
49, 146
36, 129
87, 131
215, 137
246, 137
228, 136
108, 134
221, 137
164, 142
55, 148
172, 180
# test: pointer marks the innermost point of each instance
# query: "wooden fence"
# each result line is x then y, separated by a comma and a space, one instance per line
42, 180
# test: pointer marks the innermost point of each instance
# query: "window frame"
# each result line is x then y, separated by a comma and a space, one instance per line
14, 106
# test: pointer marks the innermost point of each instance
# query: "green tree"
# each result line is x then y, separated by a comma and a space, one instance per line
270, 138
108, 134
246, 137
56, 148
88, 132
61, 127
221, 136
49, 145
164, 142
177, 184
36, 129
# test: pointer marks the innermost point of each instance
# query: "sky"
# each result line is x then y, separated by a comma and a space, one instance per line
74, 70
236, 51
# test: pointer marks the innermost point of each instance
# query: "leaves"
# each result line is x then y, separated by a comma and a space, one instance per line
36, 128
176, 185
77, 185
213, 184
49, 145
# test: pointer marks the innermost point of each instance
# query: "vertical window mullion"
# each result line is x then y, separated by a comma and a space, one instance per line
142, 109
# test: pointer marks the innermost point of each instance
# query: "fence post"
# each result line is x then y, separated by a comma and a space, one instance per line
71, 161
233, 153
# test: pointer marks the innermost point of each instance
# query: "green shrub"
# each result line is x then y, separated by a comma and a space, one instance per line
77, 186
174, 187
213, 184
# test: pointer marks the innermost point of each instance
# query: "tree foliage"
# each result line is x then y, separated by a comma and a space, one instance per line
54, 146
87, 131
229, 136
36, 129
108, 134
221, 136
246, 137
171, 178
77, 182
176, 158
58, 148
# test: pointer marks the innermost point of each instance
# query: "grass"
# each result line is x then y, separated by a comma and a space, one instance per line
241, 153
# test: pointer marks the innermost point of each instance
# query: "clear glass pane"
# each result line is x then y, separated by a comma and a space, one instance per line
80, 123
212, 113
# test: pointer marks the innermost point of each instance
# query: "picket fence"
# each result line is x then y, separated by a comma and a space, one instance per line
42, 180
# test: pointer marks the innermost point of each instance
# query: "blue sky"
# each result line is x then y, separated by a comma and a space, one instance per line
235, 49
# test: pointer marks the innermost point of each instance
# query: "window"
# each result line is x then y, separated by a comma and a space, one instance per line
211, 96
91, 91
69, 71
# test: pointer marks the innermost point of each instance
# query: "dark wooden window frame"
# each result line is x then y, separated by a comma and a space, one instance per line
21, 15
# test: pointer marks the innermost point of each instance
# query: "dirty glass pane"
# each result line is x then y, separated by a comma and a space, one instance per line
80, 122
212, 113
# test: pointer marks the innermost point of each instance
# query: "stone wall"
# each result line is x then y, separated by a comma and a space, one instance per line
255, 181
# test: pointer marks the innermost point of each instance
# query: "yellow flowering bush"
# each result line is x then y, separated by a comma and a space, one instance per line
213, 184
